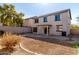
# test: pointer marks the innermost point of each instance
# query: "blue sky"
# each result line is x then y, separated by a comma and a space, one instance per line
37, 9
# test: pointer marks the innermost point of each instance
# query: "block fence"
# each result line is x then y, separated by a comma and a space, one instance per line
15, 29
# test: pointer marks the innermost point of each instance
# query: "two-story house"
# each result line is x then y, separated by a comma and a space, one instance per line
57, 23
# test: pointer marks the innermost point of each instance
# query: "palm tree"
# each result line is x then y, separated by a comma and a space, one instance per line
1, 14
19, 19
9, 16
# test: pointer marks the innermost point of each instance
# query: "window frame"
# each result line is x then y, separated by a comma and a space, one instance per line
45, 19
36, 20
58, 28
57, 17
35, 29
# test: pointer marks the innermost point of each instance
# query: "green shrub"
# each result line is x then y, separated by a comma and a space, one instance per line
75, 45
75, 27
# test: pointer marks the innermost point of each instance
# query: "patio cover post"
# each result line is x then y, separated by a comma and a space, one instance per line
47, 30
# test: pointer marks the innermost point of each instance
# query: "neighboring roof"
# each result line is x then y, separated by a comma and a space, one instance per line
57, 12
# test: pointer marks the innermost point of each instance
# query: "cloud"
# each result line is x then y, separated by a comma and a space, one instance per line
75, 22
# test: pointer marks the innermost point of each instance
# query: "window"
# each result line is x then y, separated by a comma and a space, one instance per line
45, 19
34, 29
36, 20
57, 17
59, 28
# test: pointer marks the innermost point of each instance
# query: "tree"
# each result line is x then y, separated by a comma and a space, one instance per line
19, 20
9, 16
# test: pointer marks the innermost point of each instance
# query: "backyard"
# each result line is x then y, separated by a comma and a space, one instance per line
19, 45
47, 48
32, 46
29, 44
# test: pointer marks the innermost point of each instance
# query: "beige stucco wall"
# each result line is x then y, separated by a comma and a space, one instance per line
65, 21
15, 29
28, 23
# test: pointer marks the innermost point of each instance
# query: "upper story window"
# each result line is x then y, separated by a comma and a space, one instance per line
57, 17
45, 19
36, 20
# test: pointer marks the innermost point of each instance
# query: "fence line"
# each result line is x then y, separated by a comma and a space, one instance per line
15, 29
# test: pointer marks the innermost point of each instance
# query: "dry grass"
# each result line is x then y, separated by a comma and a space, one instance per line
9, 41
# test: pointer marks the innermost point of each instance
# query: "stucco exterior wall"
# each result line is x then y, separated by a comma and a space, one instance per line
65, 22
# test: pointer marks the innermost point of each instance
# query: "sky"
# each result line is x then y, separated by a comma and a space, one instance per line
37, 9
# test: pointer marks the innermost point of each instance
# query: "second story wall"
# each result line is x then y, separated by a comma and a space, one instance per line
65, 19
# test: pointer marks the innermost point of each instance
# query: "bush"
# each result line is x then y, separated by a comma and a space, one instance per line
2, 32
75, 27
9, 42
75, 45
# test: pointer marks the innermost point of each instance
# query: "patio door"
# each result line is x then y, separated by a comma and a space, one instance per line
45, 30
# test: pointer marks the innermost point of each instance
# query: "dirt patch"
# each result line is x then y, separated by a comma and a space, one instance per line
48, 48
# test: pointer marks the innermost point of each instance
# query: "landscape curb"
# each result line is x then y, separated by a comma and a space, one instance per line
27, 50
